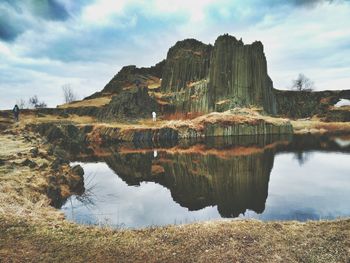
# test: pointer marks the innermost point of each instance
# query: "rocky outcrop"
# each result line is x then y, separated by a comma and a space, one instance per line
230, 74
200, 78
204, 78
130, 75
238, 74
301, 104
187, 61
132, 103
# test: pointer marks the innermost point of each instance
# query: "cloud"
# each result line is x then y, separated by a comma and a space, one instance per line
17, 16
9, 27
85, 42
49, 9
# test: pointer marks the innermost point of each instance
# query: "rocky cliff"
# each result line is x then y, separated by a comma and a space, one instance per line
187, 61
238, 74
196, 77
132, 76
301, 104
200, 78
205, 78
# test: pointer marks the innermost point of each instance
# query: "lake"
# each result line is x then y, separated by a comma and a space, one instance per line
264, 177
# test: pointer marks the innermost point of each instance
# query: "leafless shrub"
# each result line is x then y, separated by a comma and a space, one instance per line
302, 83
68, 94
35, 103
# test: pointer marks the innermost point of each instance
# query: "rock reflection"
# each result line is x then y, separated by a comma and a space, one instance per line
231, 173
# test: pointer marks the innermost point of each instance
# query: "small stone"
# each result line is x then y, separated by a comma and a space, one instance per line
29, 163
78, 170
34, 152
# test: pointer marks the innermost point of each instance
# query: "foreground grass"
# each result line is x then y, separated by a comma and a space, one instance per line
217, 241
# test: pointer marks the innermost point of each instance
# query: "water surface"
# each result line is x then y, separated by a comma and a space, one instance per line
265, 178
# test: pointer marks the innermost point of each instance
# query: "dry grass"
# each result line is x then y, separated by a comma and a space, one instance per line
216, 241
97, 102
182, 116
230, 117
32, 118
20, 185
316, 126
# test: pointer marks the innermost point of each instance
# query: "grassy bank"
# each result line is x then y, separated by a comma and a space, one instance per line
217, 241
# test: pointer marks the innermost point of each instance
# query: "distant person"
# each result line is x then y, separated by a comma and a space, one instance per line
16, 112
154, 116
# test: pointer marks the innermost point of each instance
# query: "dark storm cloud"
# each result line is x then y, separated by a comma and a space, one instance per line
9, 28
309, 3
17, 16
10, 23
49, 9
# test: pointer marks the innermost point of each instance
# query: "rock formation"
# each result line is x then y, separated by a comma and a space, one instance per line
132, 103
301, 104
187, 61
238, 74
205, 78
196, 77
131, 76
200, 78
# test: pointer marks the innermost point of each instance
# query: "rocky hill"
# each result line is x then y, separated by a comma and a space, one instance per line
201, 78
196, 77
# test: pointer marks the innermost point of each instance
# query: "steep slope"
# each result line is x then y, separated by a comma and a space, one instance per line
238, 74
187, 61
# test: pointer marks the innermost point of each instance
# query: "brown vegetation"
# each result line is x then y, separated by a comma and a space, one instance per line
316, 126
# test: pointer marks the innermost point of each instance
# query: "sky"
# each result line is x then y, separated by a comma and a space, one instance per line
45, 44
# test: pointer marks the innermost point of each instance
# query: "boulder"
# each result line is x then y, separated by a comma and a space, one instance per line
78, 170
132, 103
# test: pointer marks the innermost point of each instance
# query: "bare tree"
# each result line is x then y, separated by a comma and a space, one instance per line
69, 95
35, 103
303, 83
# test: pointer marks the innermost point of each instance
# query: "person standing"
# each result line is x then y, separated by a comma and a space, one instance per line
16, 112
154, 116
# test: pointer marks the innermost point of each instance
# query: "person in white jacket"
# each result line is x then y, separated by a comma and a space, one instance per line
154, 116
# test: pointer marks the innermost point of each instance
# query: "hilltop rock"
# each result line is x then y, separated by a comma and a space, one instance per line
128, 76
187, 61
204, 78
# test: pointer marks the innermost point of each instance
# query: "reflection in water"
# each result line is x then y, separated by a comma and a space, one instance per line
229, 176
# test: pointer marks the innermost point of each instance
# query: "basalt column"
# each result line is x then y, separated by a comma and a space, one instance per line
187, 61
238, 75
